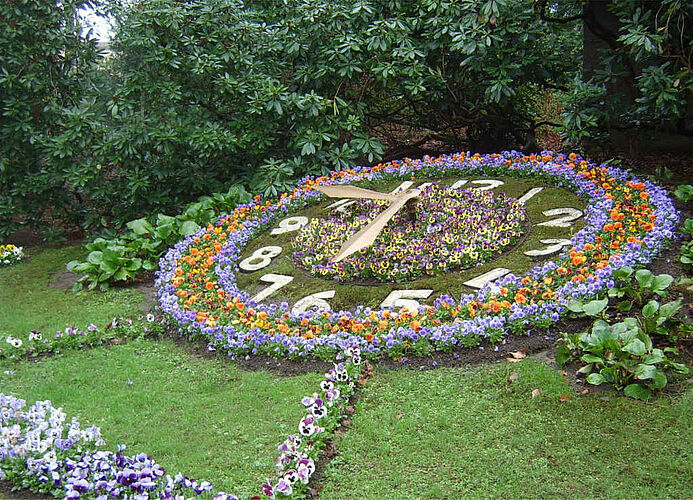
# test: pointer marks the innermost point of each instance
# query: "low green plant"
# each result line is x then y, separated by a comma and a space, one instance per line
621, 354
684, 193
659, 319
645, 286
594, 308
137, 251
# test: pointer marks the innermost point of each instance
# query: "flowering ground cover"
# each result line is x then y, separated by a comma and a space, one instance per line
474, 432
452, 229
629, 222
10, 254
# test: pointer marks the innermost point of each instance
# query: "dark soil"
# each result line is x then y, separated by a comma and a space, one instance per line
6, 493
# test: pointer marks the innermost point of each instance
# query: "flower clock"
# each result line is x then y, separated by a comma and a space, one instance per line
413, 255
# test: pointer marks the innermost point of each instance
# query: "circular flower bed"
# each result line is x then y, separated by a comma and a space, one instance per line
452, 229
628, 223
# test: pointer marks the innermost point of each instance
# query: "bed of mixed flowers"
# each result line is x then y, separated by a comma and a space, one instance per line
10, 254
453, 229
628, 223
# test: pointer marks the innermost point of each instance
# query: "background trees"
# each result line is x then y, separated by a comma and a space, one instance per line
199, 95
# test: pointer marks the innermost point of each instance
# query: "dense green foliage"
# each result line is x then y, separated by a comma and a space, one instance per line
137, 250
46, 69
194, 97
644, 80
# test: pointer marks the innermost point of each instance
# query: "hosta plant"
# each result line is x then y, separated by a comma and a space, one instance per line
138, 250
621, 354
636, 292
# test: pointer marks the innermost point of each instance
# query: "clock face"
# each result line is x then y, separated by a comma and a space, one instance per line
465, 231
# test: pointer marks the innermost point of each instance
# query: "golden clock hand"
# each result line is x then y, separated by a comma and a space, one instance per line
346, 191
368, 234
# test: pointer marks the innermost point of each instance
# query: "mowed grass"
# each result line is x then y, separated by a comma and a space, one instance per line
29, 299
204, 418
468, 433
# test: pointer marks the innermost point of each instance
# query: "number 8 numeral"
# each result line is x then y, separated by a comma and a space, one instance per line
264, 255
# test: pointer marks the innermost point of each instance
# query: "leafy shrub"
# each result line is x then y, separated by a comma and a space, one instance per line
137, 251
622, 355
646, 69
636, 292
46, 66
684, 193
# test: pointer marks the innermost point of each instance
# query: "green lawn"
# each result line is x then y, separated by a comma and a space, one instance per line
28, 300
204, 418
447, 433
468, 433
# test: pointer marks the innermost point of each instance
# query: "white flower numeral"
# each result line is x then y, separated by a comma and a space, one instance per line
277, 281
530, 194
403, 298
315, 301
290, 224
260, 258
553, 245
569, 215
492, 275
488, 184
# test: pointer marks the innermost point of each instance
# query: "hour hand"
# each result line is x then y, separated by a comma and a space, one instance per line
346, 191
368, 234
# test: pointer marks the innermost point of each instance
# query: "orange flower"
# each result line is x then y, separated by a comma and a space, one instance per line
614, 245
609, 227
521, 299
369, 337
644, 195
648, 227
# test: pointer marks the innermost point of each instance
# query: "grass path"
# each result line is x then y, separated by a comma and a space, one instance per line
468, 433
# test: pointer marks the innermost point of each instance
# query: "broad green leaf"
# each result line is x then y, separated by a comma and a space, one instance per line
670, 308
662, 282
659, 381
140, 227
76, 266
637, 391
636, 347
644, 372
625, 305
595, 378
95, 257
591, 358
576, 306
164, 220
189, 227
623, 273
563, 354
650, 309
595, 307
644, 278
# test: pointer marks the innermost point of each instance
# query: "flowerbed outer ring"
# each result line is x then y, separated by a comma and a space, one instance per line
628, 223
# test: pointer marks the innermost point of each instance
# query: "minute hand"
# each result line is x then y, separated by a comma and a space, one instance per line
347, 191
368, 234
